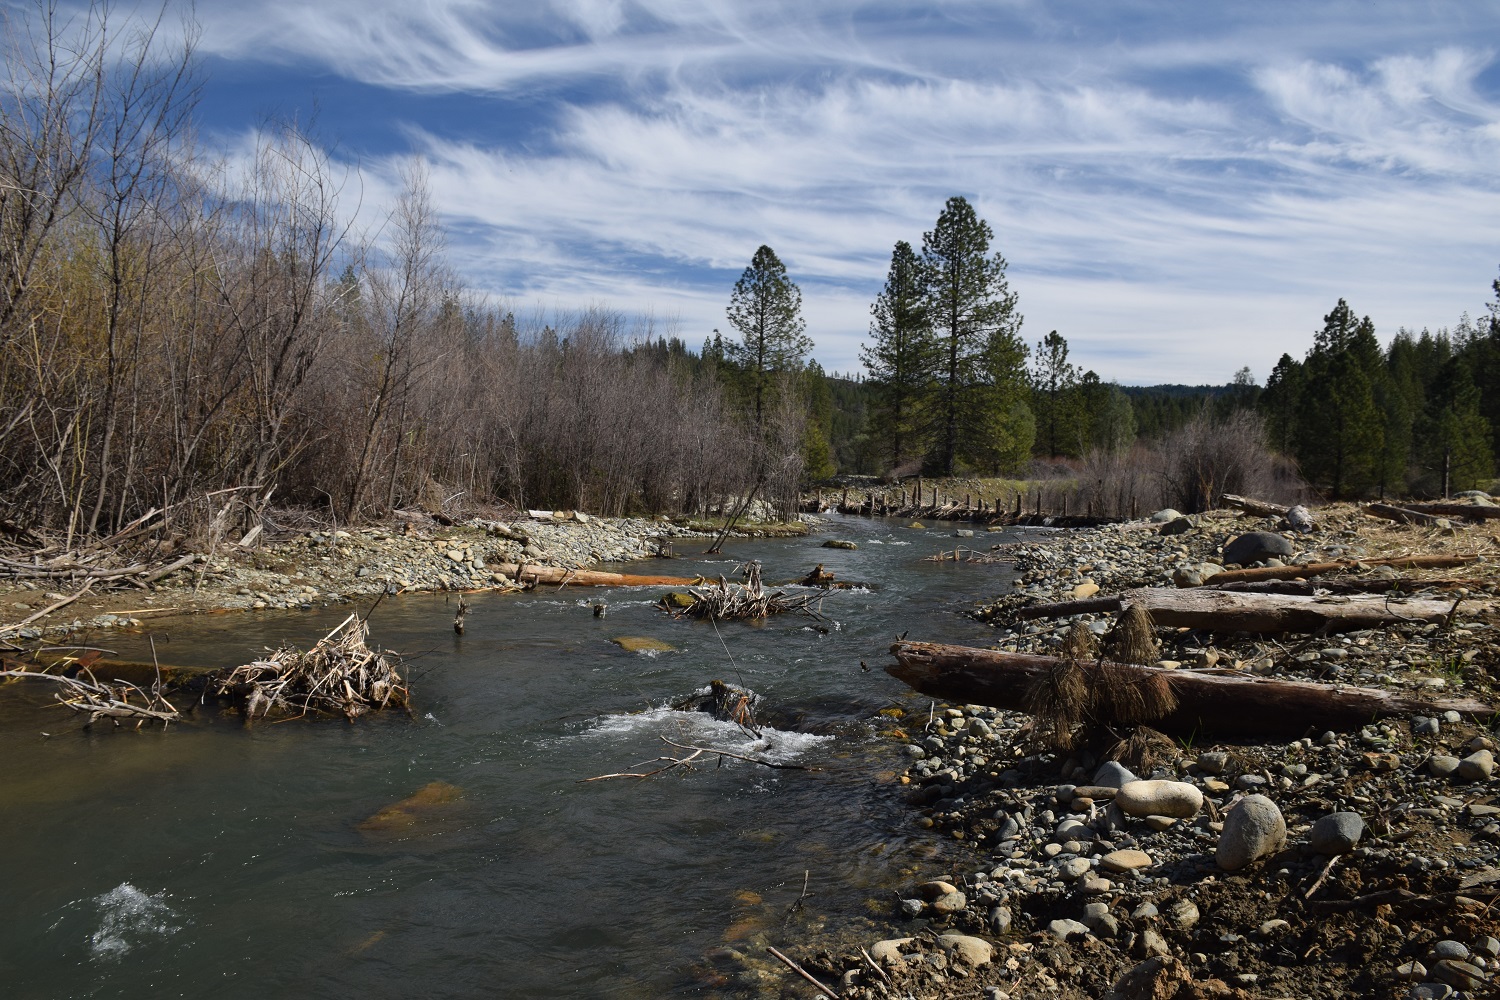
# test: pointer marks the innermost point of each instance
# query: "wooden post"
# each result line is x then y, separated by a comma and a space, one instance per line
1065, 503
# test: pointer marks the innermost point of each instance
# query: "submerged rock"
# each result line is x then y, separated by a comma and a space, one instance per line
642, 644
430, 804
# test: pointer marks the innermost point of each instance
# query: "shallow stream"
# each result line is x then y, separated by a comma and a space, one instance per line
215, 859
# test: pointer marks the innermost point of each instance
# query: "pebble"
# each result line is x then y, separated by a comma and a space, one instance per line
1253, 829
1159, 798
1422, 725
1337, 833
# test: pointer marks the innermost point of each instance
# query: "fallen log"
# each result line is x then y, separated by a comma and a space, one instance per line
1230, 611
1455, 510
1221, 704
1306, 570
1401, 515
1260, 508
536, 573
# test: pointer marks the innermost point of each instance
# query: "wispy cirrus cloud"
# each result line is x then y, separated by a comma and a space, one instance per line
1178, 192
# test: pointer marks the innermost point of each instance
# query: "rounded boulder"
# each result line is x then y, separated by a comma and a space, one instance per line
1253, 829
1159, 798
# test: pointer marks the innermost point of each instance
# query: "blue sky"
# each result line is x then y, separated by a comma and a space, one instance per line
1180, 188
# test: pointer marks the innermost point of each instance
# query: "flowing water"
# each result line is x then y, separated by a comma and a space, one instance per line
231, 861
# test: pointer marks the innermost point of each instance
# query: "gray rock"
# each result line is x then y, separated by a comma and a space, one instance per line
1422, 725
1442, 766
1065, 929
1257, 546
1412, 971
1430, 991
1113, 774
888, 951
971, 951
1253, 829
1449, 948
1477, 766
912, 907
1176, 526
1196, 574
1164, 515
1183, 914
1299, 519
999, 919
1337, 833
1074, 869
1152, 944
1458, 974
1145, 911
1488, 946
1213, 761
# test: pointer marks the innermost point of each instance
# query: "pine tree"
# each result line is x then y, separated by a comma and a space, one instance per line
766, 309
1054, 390
977, 327
1280, 403
902, 357
1341, 428
1456, 436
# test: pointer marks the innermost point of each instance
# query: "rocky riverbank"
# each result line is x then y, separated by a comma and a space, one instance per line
333, 566
1359, 863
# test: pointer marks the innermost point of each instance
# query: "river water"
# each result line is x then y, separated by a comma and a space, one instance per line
215, 859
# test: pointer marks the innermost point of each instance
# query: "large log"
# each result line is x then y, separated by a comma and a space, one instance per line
535, 573
1260, 508
1455, 510
1401, 515
1231, 611
1218, 703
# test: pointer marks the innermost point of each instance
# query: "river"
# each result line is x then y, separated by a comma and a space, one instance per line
215, 859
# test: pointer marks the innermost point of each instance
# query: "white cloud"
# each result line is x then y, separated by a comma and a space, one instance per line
1177, 199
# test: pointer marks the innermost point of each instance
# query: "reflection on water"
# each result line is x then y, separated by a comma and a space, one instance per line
458, 853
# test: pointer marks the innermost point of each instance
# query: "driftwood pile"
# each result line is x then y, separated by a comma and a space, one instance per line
116, 700
340, 675
725, 601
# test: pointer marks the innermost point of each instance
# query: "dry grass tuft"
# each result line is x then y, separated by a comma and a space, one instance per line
1078, 703
1143, 749
1133, 637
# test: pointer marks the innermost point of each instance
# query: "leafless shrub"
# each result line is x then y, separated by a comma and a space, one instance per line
1189, 469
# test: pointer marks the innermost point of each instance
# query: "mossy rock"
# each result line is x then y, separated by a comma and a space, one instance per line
677, 599
834, 543
642, 644
916, 524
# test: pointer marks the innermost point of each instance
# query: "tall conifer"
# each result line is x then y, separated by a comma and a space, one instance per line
977, 328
